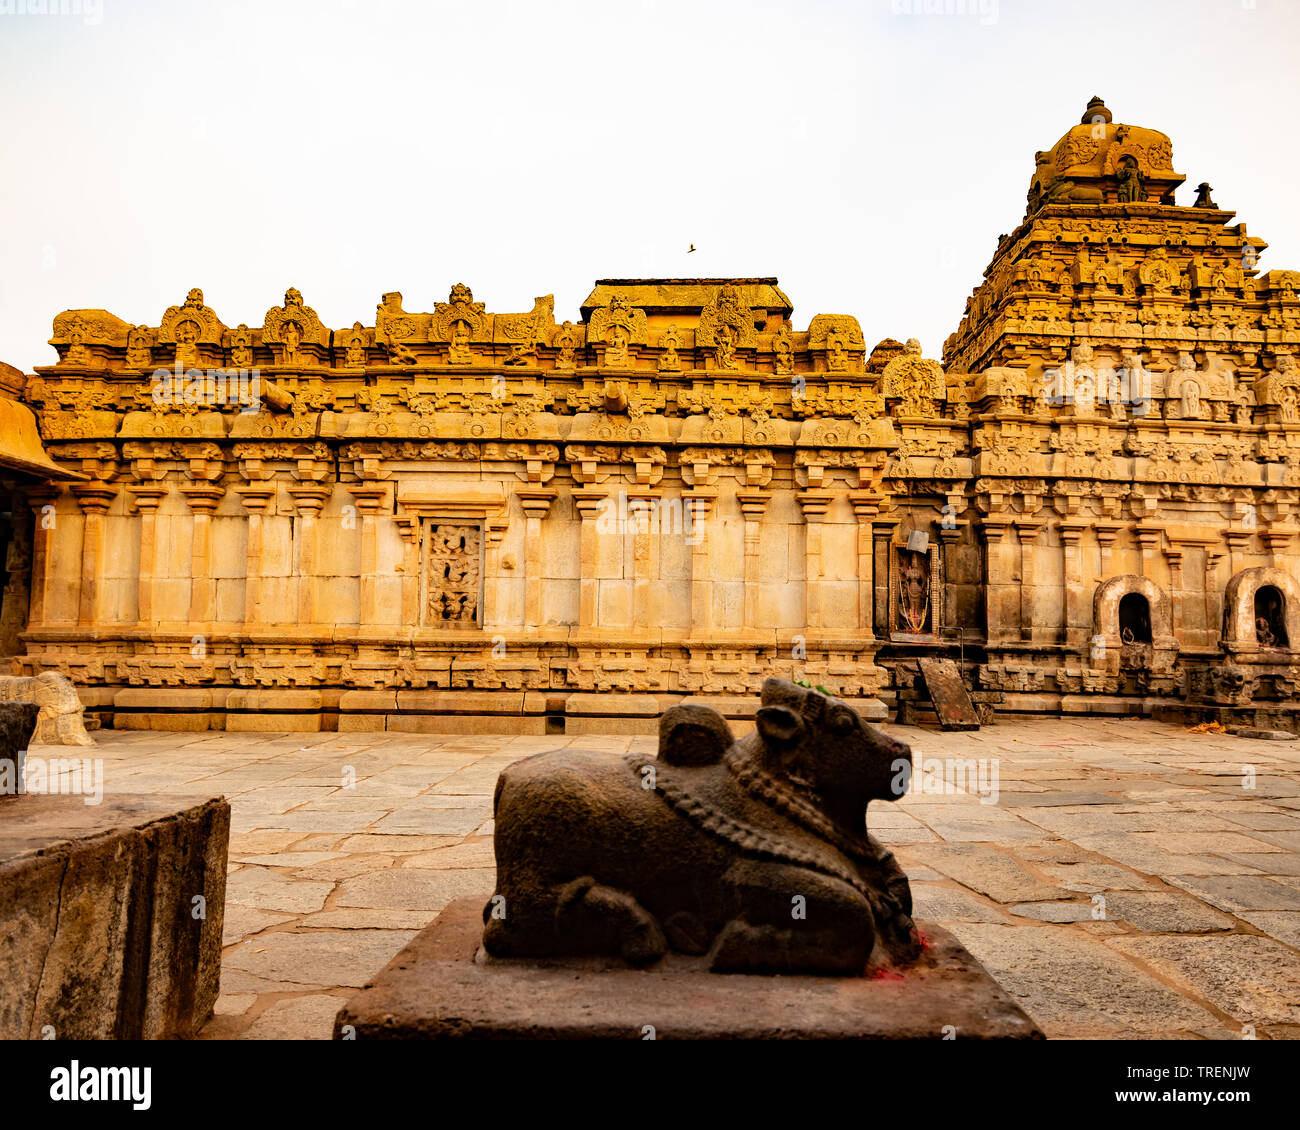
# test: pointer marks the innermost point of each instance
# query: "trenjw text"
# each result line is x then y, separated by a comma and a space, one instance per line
101, 1084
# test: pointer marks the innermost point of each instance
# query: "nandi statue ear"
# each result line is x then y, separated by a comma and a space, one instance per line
780, 726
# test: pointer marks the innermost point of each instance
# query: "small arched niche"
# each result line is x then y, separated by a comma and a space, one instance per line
1261, 611
1132, 626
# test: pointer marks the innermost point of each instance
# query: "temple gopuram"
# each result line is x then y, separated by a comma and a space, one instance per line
457, 519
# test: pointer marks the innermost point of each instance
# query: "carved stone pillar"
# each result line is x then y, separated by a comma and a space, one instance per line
372, 500
699, 504
1276, 538
882, 536
308, 500
1238, 548
1148, 539
94, 500
536, 503
645, 552
1002, 605
1106, 533
494, 533
202, 498
941, 574
256, 498
588, 503
866, 505
1075, 629
1028, 533
44, 526
1213, 597
15, 599
814, 504
752, 505
146, 499
409, 527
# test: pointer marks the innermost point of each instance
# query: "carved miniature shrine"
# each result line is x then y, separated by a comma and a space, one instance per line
1091, 502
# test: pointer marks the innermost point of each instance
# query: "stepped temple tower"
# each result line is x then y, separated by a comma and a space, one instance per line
457, 518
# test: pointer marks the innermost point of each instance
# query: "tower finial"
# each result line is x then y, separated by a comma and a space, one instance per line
1096, 112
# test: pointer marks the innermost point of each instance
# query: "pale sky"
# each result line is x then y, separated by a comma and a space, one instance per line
866, 154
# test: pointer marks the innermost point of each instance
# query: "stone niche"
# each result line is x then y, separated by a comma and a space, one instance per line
1132, 623
915, 562
451, 539
1262, 616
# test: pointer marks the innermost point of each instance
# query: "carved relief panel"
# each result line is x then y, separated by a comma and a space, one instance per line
453, 574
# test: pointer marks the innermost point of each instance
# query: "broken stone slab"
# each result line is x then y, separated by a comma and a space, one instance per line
110, 915
1262, 735
441, 986
947, 691
61, 720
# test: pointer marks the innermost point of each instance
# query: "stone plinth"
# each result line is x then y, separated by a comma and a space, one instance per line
110, 915
442, 987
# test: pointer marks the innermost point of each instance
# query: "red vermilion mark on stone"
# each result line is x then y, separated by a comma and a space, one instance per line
887, 974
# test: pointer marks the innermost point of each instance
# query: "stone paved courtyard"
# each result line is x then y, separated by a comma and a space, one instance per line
1128, 883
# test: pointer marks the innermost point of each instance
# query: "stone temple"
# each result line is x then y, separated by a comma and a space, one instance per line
461, 519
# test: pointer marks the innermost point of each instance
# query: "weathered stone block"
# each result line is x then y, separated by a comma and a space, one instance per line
110, 915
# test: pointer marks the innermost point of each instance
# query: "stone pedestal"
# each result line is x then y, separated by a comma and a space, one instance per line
110, 915
442, 987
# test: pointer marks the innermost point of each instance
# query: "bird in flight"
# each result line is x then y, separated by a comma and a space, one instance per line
692, 248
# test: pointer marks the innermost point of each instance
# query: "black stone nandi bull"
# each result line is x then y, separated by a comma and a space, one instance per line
752, 852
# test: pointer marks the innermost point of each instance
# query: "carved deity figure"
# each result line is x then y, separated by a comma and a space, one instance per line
292, 337
399, 354
783, 347
138, 350
669, 360
914, 382
567, 342
1130, 182
913, 591
616, 350
459, 352
356, 347
724, 350
187, 336
1084, 380
837, 354
77, 354
1191, 400
1287, 405
241, 347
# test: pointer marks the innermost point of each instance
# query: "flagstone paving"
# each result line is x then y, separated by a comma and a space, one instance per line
1132, 880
